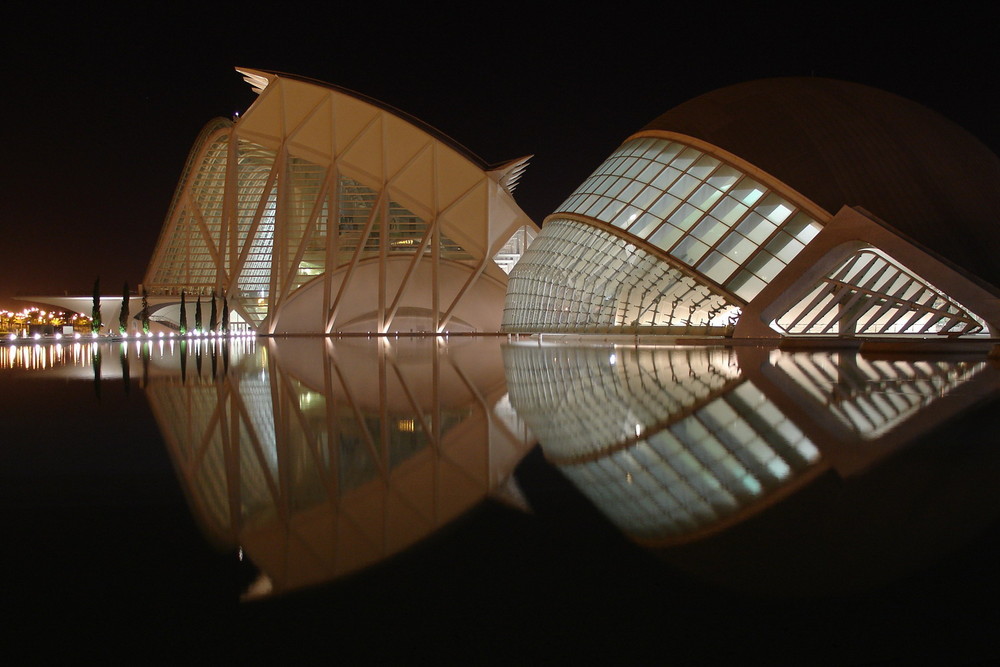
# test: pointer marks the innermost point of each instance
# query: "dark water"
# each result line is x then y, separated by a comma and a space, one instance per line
124, 531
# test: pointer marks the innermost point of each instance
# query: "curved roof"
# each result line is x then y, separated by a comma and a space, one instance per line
842, 143
413, 120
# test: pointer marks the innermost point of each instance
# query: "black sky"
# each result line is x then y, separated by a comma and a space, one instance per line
100, 109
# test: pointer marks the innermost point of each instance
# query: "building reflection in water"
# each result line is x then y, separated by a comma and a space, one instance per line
317, 457
677, 445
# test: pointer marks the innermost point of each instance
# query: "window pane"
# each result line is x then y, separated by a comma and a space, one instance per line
756, 228
644, 225
724, 177
774, 208
729, 210
685, 216
684, 186
709, 230
690, 251
705, 165
664, 206
704, 197
717, 267
747, 191
802, 227
666, 236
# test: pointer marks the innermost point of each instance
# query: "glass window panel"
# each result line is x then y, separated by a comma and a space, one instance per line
650, 172
766, 266
746, 285
774, 208
685, 216
602, 184
668, 152
747, 191
653, 148
586, 203
597, 206
724, 177
717, 267
622, 166
729, 210
636, 168
690, 251
664, 206
705, 165
626, 217
685, 158
737, 247
684, 186
666, 177
613, 209
645, 224
709, 230
756, 228
616, 186
784, 247
666, 236
646, 197
704, 197
630, 191
802, 227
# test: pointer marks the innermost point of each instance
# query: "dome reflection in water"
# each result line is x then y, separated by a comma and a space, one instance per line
318, 457
765, 469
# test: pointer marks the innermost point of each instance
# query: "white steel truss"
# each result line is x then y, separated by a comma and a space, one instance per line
319, 211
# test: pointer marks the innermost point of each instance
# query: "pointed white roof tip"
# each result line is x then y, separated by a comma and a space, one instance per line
509, 173
258, 80
510, 494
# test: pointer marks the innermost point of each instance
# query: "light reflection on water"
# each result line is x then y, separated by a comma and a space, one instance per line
316, 458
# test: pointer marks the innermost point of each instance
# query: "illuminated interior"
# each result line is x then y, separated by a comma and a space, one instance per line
366, 218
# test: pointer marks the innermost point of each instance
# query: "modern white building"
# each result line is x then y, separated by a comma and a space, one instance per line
322, 211
775, 208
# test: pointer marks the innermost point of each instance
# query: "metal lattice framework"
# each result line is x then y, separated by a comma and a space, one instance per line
870, 293
321, 211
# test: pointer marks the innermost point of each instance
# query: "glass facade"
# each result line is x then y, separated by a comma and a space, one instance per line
577, 277
706, 214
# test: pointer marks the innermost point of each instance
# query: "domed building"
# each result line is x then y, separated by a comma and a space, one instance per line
775, 208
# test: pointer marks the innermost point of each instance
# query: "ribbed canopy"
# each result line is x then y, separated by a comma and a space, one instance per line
842, 143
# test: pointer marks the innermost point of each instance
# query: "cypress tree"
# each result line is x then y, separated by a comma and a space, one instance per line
197, 315
95, 312
145, 311
225, 314
123, 315
184, 317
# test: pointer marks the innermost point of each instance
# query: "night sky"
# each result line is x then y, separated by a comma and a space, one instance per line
99, 110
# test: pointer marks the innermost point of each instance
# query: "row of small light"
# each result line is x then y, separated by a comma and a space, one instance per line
190, 334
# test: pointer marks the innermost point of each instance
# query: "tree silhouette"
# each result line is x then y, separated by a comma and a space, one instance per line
197, 315
184, 317
95, 312
123, 315
145, 311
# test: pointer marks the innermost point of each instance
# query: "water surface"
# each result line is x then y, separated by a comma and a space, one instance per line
385, 498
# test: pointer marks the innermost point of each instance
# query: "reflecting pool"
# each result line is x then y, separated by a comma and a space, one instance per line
370, 499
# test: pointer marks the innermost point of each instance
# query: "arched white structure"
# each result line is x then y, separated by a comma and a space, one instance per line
321, 211
675, 233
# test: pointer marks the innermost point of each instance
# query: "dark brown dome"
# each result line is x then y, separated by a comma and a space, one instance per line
842, 143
